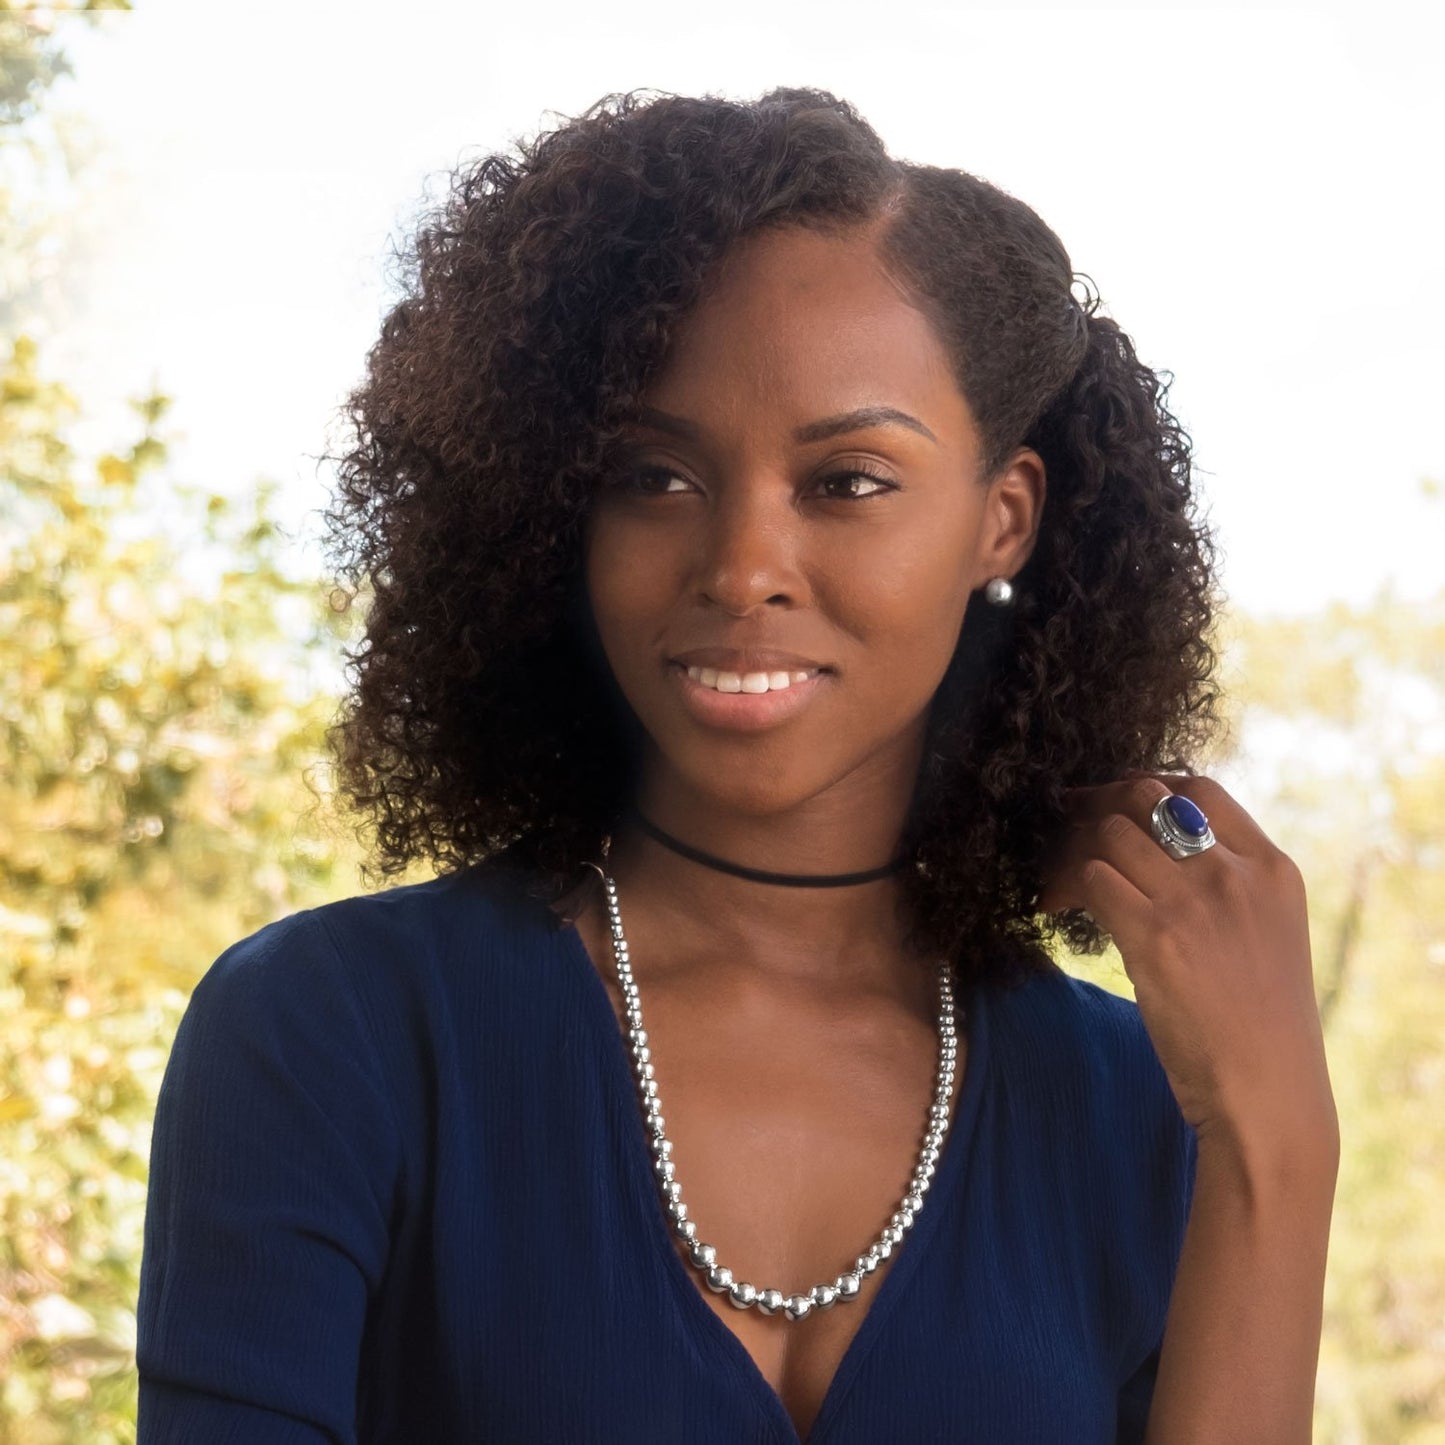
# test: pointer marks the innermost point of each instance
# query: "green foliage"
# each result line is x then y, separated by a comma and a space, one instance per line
160, 715
1355, 698
31, 59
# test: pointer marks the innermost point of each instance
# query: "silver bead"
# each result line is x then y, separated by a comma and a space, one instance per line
719, 1278
999, 591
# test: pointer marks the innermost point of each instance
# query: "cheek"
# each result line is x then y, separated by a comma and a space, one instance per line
908, 602
622, 590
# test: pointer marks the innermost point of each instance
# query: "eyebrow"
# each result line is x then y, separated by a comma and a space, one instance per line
860, 419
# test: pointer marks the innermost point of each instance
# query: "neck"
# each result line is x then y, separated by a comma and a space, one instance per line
813, 938
763, 875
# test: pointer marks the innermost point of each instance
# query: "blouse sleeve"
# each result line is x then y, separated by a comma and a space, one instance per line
273, 1169
1177, 1166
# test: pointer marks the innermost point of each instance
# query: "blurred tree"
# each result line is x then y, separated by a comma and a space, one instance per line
163, 697
36, 152
160, 713
1343, 721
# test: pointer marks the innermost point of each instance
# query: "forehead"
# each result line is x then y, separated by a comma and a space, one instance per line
805, 323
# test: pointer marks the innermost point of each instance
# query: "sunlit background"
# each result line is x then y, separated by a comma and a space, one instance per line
195, 227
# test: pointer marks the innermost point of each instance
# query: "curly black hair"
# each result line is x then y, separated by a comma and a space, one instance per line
482, 726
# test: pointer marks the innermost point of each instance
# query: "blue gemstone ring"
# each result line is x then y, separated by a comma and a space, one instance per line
1180, 828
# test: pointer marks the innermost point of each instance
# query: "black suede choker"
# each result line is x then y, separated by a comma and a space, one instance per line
761, 875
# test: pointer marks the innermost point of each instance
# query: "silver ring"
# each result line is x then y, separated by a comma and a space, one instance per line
1180, 827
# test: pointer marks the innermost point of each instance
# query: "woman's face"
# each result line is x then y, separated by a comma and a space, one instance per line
800, 510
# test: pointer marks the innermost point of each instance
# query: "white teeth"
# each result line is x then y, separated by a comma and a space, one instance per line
753, 682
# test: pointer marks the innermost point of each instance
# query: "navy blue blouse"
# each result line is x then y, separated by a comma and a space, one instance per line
400, 1194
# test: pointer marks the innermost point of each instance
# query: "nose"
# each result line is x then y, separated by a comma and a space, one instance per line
749, 549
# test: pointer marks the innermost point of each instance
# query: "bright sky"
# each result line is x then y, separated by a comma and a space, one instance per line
1256, 193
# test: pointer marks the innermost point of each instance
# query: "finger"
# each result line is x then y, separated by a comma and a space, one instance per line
1118, 907
1131, 850
1134, 853
1135, 795
1114, 821
1138, 794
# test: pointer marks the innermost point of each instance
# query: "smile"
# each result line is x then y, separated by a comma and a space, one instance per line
746, 701
752, 682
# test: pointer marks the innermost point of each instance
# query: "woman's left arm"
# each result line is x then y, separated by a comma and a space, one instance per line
1217, 946
1242, 1337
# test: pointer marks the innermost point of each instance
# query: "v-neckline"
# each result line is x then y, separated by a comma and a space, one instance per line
902, 1265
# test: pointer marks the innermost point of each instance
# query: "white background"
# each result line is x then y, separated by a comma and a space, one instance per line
1256, 193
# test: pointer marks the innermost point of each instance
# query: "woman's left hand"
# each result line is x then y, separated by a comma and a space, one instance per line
1217, 946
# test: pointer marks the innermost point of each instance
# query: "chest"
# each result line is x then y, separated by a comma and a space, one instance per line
535, 1291
793, 1211
793, 1151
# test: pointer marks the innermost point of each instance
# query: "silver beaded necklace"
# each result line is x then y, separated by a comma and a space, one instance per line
703, 1256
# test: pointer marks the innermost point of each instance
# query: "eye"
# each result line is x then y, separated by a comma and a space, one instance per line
873, 484
649, 480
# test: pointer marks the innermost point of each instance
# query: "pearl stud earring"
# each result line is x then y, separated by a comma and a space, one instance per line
999, 591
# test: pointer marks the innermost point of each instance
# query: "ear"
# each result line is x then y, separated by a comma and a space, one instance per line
1012, 511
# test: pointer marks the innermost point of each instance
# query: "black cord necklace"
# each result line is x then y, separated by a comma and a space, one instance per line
761, 875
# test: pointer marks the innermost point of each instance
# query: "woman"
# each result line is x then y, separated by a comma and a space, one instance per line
786, 614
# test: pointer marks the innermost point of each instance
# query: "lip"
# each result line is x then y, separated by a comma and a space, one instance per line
746, 711
755, 659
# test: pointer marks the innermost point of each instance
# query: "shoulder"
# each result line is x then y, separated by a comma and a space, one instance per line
1073, 1053
1086, 1099
1058, 1026
386, 963
422, 923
